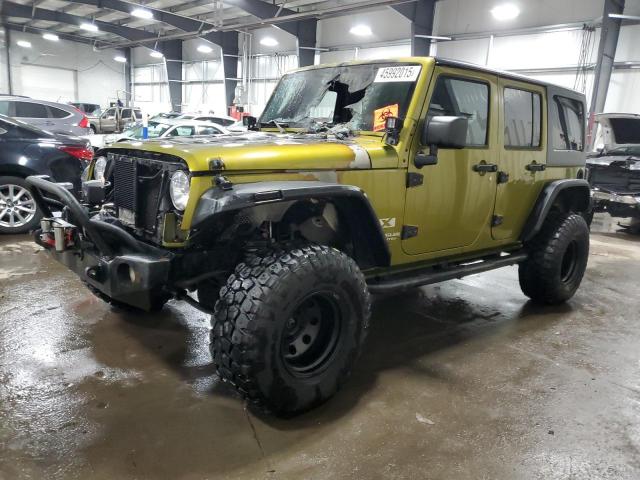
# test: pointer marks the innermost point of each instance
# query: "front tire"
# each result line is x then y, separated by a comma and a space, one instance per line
289, 325
557, 261
19, 212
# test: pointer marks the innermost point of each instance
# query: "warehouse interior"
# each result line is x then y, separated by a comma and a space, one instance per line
464, 379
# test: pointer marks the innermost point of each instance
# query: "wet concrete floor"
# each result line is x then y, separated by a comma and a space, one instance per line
466, 379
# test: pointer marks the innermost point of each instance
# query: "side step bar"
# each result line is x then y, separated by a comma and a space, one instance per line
398, 283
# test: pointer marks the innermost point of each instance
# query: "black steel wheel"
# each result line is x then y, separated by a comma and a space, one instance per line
288, 326
558, 259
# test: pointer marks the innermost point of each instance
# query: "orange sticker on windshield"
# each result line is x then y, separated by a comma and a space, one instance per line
381, 114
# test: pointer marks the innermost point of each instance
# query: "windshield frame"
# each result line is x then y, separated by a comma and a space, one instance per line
412, 111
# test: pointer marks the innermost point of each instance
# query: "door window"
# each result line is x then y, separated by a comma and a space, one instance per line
182, 131
58, 113
109, 114
463, 98
126, 113
567, 126
521, 118
30, 110
208, 130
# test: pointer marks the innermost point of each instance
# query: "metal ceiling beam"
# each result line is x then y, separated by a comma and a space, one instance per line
20, 27
606, 53
264, 10
179, 21
10, 9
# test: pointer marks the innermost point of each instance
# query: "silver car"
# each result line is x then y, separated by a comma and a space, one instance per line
50, 116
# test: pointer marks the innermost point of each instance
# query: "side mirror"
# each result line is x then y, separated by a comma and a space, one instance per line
249, 122
445, 132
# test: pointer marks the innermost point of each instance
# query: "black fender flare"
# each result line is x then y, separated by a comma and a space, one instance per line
372, 249
577, 191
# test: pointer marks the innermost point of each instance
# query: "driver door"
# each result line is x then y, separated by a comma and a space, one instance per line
451, 204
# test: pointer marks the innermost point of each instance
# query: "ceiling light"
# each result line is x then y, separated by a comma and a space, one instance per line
156, 54
506, 11
361, 30
51, 36
89, 27
142, 13
269, 42
205, 49
23, 44
120, 59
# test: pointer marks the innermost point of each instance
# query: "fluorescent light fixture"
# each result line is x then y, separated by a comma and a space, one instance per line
23, 44
433, 37
156, 54
142, 13
204, 49
269, 42
89, 27
360, 30
505, 11
624, 17
51, 36
120, 59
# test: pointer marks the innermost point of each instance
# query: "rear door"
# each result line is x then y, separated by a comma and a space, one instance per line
454, 203
523, 156
108, 120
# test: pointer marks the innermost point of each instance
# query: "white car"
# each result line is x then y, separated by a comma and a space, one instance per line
168, 128
223, 120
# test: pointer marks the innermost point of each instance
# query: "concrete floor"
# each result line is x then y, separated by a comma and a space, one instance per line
462, 380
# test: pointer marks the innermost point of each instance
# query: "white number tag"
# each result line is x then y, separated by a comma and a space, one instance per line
408, 73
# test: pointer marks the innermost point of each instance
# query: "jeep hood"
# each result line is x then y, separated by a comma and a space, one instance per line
269, 151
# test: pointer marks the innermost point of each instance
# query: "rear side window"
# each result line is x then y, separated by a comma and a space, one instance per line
463, 98
31, 110
58, 113
208, 130
126, 113
567, 128
225, 122
138, 114
183, 131
521, 118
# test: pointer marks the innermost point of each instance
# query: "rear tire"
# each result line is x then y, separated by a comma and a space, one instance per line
289, 325
19, 212
557, 261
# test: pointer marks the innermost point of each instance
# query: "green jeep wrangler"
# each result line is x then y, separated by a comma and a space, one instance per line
358, 178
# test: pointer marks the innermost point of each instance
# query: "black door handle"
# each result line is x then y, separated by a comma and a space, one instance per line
536, 167
485, 167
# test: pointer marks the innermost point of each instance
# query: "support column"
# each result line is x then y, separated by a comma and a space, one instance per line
7, 45
306, 33
606, 54
128, 87
229, 46
172, 50
421, 14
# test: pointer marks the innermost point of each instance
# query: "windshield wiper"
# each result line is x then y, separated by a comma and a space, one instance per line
278, 125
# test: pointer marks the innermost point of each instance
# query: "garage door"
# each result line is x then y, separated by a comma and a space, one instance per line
48, 83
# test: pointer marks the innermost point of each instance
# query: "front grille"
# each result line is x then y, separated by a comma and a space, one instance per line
125, 183
141, 185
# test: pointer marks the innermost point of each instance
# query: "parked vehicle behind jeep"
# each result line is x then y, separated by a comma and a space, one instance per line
26, 150
366, 177
614, 167
50, 116
115, 119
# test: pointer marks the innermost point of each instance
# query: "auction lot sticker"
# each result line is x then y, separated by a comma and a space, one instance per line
406, 73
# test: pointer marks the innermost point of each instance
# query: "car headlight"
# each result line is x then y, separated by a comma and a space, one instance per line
99, 168
179, 189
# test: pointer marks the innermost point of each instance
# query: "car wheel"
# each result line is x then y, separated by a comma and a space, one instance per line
19, 212
288, 326
557, 259
93, 129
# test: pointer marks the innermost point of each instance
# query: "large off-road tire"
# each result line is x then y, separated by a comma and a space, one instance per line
289, 325
558, 259
19, 212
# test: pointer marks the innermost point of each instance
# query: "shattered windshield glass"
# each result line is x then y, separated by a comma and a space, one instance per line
360, 97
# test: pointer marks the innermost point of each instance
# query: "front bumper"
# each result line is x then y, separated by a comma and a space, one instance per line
103, 255
618, 205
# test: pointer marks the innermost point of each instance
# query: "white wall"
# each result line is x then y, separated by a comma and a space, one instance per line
99, 78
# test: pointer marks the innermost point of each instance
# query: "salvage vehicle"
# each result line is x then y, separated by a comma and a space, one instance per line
167, 128
363, 178
614, 170
26, 150
114, 119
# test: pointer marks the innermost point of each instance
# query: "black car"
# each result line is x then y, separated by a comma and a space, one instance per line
27, 150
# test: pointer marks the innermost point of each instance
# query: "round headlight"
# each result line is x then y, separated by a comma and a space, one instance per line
99, 168
179, 189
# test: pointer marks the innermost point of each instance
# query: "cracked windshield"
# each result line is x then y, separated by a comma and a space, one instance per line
356, 97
